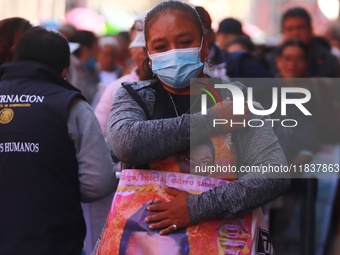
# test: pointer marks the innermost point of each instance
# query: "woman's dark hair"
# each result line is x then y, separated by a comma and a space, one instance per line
297, 12
204, 16
174, 6
161, 8
10, 29
146, 68
293, 42
46, 47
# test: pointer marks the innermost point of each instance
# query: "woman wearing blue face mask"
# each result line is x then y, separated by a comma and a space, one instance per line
175, 67
155, 119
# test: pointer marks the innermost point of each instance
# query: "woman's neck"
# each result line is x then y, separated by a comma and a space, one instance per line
185, 91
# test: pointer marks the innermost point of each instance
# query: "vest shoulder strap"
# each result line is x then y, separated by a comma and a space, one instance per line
133, 93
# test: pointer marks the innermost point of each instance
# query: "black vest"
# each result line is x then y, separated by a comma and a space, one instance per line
40, 211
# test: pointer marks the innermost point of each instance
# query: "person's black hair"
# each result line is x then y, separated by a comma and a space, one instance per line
230, 26
9, 29
46, 47
297, 12
146, 68
204, 16
244, 40
293, 42
125, 36
84, 38
162, 7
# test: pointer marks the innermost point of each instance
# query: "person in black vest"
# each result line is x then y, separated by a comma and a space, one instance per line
296, 23
240, 66
52, 152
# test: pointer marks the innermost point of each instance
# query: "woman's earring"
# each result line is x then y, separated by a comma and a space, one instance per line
150, 66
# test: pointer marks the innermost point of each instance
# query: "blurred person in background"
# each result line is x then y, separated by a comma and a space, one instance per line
108, 68
11, 30
301, 142
296, 23
228, 65
235, 65
333, 36
240, 43
107, 58
228, 29
243, 45
99, 209
67, 30
216, 64
301, 145
57, 159
138, 72
108, 71
292, 59
82, 72
124, 59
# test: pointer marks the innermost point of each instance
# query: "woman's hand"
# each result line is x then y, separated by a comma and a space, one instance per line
170, 213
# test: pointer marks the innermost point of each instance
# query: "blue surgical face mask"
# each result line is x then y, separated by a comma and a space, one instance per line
175, 67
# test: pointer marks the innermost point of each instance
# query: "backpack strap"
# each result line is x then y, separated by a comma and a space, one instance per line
133, 93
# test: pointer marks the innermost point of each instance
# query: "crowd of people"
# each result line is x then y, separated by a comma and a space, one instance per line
76, 108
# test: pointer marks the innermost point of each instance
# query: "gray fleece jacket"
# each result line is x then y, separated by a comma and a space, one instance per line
136, 140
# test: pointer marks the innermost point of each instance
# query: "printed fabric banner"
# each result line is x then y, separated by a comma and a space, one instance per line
126, 232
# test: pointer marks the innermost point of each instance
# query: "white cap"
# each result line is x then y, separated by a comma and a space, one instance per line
108, 40
73, 46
